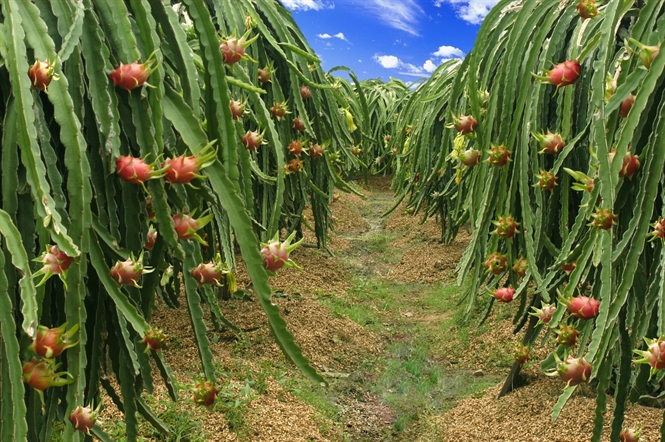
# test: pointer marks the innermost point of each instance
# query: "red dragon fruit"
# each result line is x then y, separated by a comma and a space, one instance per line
136, 170
305, 93
151, 238
299, 124
562, 74
293, 166
252, 140
550, 143
573, 371
129, 271
183, 169
213, 272
496, 263
279, 110
506, 227
464, 124
569, 267
132, 76
276, 253
315, 151
626, 106
265, 74
544, 314
587, 9
84, 418
51, 342
646, 53
498, 155
186, 226
56, 262
658, 230
581, 307
629, 435
522, 353
41, 374
504, 294
296, 147
469, 157
567, 335
654, 355
41, 74
154, 339
630, 165
233, 49
205, 393
237, 109
520, 266
603, 219
546, 180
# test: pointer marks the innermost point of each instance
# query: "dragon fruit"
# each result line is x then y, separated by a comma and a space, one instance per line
630, 165
504, 294
550, 143
296, 147
581, 307
293, 166
265, 74
603, 219
521, 353
355, 151
51, 342
305, 93
183, 169
252, 140
469, 157
626, 106
154, 339
629, 435
136, 170
498, 155
520, 266
464, 124
496, 263
151, 238
233, 49
646, 53
544, 314
654, 355
56, 262
41, 374
150, 210
132, 76
299, 124
569, 267
506, 227
41, 74
546, 180
213, 272
587, 9
129, 272
186, 225
279, 110
315, 151
658, 230
84, 418
573, 371
562, 74
276, 253
205, 393
237, 109
567, 335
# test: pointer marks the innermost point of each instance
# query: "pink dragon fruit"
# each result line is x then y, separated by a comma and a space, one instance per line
573, 371
183, 169
56, 262
299, 124
567, 335
136, 170
569, 267
658, 231
305, 93
84, 418
151, 238
233, 49
629, 435
546, 180
654, 355
550, 143
154, 339
496, 263
544, 314
132, 76
504, 294
562, 74
265, 74
630, 165
469, 157
498, 156
252, 140
186, 225
205, 393
296, 147
464, 124
51, 342
129, 272
626, 106
237, 109
213, 272
41, 74
279, 110
276, 253
41, 374
581, 307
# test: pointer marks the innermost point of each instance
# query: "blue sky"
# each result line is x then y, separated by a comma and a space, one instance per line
406, 39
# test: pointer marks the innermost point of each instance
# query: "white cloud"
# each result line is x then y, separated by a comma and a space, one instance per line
360, 61
472, 11
448, 52
388, 61
324, 36
402, 14
429, 66
392, 62
341, 36
305, 5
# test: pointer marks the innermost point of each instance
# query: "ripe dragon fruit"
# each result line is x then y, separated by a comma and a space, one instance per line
183, 169
587, 9
658, 230
520, 266
84, 418
129, 272
498, 155
544, 314
132, 76
506, 227
504, 294
186, 226
496, 263
646, 53
41, 374
237, 109
279, 110
630, 165
654, 355
136, 170
296, 147
205, 393
305, 93
154, 339
213, 272
629, 435
522, 353
151, 238
51, 342
581, 307
567, 335
265, 74
603, 219
550, 143
573, 371
469, 157
299, 124
546, 180
252, 140
464, 124
315, 151
41, 74
626, 106
233, 49
276, 253
56, 262
562, 74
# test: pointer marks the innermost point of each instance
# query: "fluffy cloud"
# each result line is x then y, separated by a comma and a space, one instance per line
304, 5
392, 62
388, 61
403, 15
448, 52
339, 35
429, 66
472, 11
